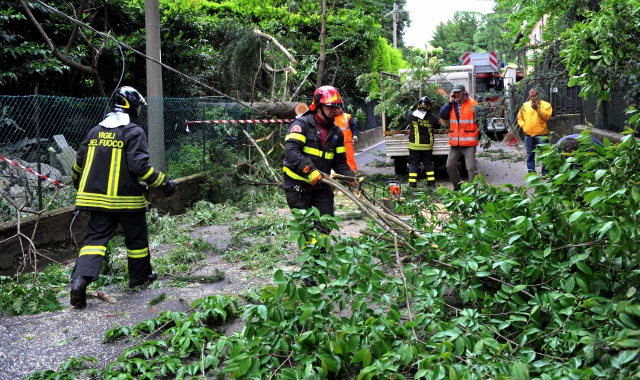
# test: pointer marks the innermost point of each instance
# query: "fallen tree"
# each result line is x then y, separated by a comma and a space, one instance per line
280, 110
517, 283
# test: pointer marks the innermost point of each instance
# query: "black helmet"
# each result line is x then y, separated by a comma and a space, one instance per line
424, 103
127, 100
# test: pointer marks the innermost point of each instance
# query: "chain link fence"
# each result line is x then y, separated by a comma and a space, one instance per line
43, 133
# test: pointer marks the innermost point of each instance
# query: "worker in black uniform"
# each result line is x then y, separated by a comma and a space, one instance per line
315, 144
111, 161
422, 122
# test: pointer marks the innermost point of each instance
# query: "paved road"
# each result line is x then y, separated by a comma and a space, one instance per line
500, 164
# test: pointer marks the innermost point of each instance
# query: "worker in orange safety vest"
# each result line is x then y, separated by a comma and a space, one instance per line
463, 133
350, 131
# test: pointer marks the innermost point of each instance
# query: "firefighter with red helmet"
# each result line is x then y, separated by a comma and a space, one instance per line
314, 144
422, 122
111, 161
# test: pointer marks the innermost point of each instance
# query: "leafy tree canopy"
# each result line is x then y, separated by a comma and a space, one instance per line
211, 41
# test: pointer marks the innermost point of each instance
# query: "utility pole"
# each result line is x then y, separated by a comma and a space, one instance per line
323, 41
395, 24
154, 85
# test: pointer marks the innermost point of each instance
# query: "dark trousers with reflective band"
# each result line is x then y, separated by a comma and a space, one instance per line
321, 198
100, 230
426, 158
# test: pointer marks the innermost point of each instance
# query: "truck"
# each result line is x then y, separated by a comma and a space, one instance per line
397, 142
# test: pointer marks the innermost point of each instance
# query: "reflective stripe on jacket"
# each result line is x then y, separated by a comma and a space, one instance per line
463, 130
108, 166
421, 130
532, 122
303, 141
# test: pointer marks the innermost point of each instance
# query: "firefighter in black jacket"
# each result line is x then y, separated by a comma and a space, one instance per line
111, 161
315, 144
421, 125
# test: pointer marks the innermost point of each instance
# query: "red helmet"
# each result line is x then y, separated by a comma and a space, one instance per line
327, 95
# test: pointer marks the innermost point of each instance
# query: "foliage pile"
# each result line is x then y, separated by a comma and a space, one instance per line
515, 285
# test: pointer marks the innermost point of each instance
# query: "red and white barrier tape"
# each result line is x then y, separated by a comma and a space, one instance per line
33, 172
247, 121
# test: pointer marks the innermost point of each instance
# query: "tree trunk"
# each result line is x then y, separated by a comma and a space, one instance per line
279, 110
323, 41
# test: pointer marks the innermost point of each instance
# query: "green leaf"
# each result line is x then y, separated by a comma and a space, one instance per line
628, 343
520, 371
244, 366
263, 311
306, 315
595, 197
631, 291
635, 194
360, 355
518, 288
606, 227
584, 268
453, 373
575, 216
600, 173
353, 343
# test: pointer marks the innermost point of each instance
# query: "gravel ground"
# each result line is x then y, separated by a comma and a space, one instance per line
44, 341
38, 342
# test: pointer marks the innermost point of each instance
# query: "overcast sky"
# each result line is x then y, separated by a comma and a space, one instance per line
427, 14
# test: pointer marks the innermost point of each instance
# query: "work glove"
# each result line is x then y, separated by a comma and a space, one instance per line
170, 188
414, 106
315, 177
352, 185
355, 139
306, 165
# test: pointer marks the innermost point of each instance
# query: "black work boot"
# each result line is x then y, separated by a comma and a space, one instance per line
141, 281
79, 292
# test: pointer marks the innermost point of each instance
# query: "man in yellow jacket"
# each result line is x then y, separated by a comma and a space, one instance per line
532, 118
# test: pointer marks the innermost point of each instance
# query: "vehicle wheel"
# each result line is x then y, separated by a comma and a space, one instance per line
400, 165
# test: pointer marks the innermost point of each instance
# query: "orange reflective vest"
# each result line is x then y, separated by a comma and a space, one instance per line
342, 122
463, 131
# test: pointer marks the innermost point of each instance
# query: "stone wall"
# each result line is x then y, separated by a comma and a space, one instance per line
600, 134
562, 125
368, 138
52, 228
